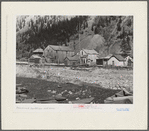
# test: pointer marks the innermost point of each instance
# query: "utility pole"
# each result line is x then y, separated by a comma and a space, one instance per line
79, 45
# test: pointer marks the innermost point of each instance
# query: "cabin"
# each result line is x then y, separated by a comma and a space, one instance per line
112, 60
88, 56
57, 54
35, 59
38, 52
74, 60
115, 60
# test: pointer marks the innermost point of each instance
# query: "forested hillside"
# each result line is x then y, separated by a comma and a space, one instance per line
105, 34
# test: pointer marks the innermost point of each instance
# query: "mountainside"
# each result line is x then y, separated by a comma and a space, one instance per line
105, 34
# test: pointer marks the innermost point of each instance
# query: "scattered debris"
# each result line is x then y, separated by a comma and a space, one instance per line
53, 92
29, 100
47, 101
84, 101
122, 97
20, 90
59, 98
49, 91
59, 86
21, 95
70, 92
40, 89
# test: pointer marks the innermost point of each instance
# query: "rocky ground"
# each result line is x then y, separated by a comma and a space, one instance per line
43, 89
106, 78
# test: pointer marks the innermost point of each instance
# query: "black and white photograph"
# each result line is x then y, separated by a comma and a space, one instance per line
74, 59
74, 65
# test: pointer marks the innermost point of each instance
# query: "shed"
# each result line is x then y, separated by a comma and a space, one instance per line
113, 60
38, 51
72, 60
35, 59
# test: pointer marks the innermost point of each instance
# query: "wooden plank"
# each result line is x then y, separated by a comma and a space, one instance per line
83, 101
29, 101
119, 100
17, 85
48, 101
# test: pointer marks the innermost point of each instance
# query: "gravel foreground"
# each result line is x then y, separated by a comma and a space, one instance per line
105, 78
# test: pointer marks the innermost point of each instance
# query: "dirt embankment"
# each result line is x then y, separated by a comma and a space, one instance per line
107, 78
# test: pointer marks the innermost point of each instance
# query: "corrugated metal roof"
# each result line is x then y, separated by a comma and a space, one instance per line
60, 48
38, 50
90, 51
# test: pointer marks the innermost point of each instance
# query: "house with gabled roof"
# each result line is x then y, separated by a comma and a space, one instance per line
114, 60
57, 54
74, 60
88, 56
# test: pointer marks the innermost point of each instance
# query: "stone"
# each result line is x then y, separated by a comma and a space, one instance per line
22, 95
29, 100
59, 98
59, 86
77, 98
83, 101
70, 92
53, 92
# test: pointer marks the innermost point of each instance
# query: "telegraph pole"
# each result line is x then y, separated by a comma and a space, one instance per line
79, 45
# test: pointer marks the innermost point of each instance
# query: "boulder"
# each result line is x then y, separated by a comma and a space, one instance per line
59, 98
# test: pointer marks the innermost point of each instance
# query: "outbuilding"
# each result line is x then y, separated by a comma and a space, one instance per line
35, 59
38, 52
112, 60
72, 60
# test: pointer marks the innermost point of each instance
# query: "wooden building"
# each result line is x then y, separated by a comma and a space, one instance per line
112, 60
38, 52
57, 54
88, 56
35, 59
72, 60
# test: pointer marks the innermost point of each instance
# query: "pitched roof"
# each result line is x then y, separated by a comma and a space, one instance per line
35, 56
60, 48
38, 50
90, 51
108, 56
74, 58
119, 57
